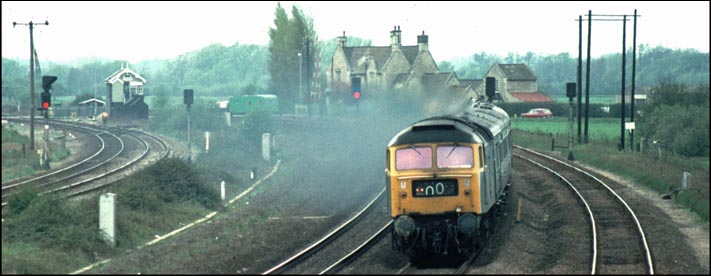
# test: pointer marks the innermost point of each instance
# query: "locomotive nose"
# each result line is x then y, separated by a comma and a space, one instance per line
468, 224
404, 226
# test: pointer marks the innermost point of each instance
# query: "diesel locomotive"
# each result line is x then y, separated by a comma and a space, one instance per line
446, 175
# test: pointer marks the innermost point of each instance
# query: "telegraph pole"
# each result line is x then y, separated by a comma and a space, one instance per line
634, 68
587, 73
622, 123
32, 79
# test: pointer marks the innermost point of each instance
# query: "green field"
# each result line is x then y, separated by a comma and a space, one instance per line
598, 128
598, 99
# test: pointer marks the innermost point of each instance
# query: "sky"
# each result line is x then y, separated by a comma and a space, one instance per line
136, 31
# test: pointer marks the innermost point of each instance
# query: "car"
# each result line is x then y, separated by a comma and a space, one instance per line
538, 113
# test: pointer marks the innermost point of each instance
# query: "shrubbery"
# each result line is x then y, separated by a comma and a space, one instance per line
146, 202
253, 125
678, 116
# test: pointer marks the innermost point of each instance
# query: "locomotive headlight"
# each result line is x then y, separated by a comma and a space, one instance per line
404, 226
467, 182
403, 184
468, 224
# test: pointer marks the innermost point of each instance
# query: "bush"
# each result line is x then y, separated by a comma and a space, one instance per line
19, 201
253, 125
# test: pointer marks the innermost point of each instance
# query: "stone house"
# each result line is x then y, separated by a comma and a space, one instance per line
379, 68
376, 69
516, 83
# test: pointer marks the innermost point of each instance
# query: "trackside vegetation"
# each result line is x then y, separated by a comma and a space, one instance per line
16, 163
46, 234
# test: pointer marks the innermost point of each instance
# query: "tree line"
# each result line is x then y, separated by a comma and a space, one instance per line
553, 71
219, 70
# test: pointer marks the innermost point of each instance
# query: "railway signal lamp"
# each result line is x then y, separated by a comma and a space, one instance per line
188, 97
355, 88
490, 88
46, 99
570, 89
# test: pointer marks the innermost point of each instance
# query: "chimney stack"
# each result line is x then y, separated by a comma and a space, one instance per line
341, 40
422, 42
395, 41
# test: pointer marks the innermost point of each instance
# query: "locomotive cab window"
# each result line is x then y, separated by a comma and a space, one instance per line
413, 158
454, 157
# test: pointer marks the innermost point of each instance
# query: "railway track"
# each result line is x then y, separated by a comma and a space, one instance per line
325, 251
111, 150
618, 242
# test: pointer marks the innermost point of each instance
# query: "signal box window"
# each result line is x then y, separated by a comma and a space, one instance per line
413, 158
454, 157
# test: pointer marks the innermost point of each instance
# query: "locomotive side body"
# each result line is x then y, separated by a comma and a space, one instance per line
445, 175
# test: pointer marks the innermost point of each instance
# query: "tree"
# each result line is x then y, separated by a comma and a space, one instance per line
678, 116
287, 39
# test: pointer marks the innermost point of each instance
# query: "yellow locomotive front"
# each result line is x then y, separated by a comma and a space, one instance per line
433, 172
434, 178
445, 175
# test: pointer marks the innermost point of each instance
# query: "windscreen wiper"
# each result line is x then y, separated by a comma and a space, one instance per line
415, 149
453, 148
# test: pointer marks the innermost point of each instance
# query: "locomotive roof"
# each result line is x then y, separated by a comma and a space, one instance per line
479, 122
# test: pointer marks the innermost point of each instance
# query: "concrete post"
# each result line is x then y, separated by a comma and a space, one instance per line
228, 119
265, 146
685, 180
222, 190
207, 142
107, 217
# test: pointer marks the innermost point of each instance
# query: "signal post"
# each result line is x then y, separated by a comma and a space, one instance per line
46, 99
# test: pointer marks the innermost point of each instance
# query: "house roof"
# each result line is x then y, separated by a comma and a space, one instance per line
435, 82
537, 97
357, 56
517, 71
93, 100
471, 82
116, 76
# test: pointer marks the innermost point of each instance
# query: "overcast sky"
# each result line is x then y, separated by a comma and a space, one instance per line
136, 31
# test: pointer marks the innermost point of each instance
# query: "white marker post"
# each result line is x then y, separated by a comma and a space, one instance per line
207, 141
265, 146
107, 217
222, 190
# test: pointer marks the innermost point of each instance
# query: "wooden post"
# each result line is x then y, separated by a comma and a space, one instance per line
518, 213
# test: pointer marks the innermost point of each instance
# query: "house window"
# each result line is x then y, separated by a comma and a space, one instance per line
497, 85
136, 89
338, 74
